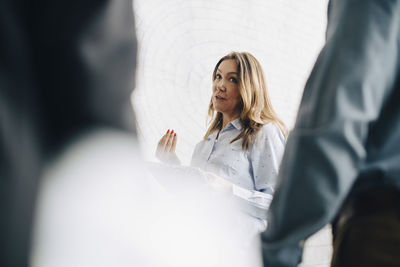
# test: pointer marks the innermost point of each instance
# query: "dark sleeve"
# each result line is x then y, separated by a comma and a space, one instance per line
350, 81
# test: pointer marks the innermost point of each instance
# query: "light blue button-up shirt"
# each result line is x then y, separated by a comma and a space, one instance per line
254, 169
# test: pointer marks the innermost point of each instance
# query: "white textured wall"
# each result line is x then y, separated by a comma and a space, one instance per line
180, 42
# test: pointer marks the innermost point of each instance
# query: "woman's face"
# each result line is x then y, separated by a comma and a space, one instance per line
226, 97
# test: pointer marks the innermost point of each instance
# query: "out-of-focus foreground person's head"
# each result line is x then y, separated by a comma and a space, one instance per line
65, 68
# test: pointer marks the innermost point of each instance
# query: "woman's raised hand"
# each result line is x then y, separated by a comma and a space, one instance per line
166, 148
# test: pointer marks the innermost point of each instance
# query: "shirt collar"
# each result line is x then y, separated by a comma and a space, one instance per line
237, 124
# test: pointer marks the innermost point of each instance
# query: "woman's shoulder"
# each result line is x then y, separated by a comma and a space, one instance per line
271, 130
270, 137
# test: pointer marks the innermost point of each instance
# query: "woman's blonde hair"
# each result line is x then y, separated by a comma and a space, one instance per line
257, 108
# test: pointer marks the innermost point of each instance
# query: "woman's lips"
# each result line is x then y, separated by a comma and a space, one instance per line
220, 98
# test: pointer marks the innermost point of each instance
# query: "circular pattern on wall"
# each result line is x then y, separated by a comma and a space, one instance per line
181, 41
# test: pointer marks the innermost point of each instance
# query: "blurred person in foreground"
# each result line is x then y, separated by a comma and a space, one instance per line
342, 160
66, 71
73, 190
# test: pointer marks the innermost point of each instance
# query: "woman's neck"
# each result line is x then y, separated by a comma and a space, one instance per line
227, 119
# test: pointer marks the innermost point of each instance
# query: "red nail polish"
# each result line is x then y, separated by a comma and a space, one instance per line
174, 134
172, 131
168, 131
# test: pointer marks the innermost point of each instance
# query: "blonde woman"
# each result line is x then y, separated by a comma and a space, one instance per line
245, 140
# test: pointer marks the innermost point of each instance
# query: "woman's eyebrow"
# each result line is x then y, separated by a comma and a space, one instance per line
232, 72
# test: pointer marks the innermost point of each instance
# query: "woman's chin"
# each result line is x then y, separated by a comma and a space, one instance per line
219, 110
218, 107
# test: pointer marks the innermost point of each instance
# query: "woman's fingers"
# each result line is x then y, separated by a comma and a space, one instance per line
169, 142
174, 140
161, 144
166, 142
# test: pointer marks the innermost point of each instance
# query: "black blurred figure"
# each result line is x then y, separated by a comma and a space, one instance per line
66, 67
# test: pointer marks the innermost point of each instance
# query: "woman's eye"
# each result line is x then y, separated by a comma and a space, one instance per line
218, 76
234, 80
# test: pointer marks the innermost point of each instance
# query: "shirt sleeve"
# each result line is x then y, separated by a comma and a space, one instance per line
353, 75
252, 202
265, 157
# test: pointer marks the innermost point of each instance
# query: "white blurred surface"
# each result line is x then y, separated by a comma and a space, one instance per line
99, 207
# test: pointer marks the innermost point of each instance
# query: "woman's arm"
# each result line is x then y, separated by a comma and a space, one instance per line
265, 156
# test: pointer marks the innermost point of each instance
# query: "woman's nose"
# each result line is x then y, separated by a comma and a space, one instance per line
221, 85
